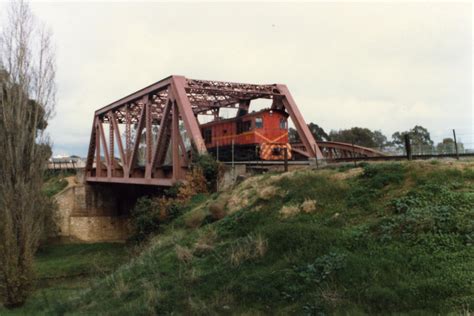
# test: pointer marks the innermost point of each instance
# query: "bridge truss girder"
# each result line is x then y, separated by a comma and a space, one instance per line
165, 105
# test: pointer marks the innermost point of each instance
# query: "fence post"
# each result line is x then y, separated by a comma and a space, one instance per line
408, 147
353, 154
456, 144
286, 158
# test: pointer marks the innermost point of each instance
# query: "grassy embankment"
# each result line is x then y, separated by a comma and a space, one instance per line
65, 270
382, 239
388, 238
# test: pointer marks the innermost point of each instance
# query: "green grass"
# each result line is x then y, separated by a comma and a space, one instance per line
65, 270
396, 239
55, 182
78, 259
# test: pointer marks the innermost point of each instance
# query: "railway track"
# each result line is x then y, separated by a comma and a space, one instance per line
336, 160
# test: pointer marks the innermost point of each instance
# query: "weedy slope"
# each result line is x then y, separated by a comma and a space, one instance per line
382, 239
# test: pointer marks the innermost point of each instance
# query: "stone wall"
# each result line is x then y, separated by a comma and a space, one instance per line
99, 228
92, 213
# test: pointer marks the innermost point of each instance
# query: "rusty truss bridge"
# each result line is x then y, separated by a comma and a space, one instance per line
146, 137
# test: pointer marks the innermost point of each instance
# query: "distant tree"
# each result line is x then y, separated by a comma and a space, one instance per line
420, 139
359, 136
318, 133
27, 96
293, 136
447, 146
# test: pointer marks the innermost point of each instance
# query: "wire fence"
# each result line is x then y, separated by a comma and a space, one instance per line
447, 144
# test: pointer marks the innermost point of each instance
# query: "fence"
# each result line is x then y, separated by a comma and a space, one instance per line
448, 144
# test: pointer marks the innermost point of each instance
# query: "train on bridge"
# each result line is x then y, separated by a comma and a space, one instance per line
258, 135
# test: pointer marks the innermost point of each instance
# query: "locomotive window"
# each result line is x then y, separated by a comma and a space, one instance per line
243, 126
258, 122
283, 124
208, 136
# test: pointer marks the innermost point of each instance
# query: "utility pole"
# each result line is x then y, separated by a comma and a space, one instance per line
456, 144
408, 147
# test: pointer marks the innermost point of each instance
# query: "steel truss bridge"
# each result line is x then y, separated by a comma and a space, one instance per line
144, 128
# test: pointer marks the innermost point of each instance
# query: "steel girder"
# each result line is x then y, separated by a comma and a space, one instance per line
335, 150
155, 112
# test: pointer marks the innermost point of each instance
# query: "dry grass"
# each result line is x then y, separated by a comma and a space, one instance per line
205, 242
351, 173
267, 193
308, 206
251, 247
218, 209
183, 254
195, 218
289, 211
152, 297
238, 200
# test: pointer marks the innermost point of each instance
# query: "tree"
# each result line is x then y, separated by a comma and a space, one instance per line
419, 137
447, 146
27, 96
359, 136
318, 133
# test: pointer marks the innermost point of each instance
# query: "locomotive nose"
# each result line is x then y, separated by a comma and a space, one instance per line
272, 151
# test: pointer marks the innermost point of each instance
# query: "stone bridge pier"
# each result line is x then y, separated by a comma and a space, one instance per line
97, 212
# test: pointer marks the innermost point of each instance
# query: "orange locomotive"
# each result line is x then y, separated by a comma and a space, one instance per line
258, 135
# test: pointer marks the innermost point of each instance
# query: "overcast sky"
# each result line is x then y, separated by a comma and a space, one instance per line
385, 66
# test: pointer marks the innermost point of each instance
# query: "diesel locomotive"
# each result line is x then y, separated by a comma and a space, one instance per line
261, 135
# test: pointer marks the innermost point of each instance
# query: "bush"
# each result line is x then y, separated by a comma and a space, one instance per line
210, 169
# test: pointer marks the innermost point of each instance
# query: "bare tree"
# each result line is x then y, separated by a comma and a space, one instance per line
27, 96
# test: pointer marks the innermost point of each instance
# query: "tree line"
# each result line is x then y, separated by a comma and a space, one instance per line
420, 139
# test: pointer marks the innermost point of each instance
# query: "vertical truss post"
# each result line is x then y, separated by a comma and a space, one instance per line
111, 144
149, 141
175, 143
128, 135
104, 145
98, 167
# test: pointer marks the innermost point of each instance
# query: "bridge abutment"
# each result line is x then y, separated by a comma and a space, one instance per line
96, 212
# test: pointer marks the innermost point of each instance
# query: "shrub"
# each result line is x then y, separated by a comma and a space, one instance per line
210, 169
217, 209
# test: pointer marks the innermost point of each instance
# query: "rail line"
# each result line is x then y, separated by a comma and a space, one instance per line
348, 159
